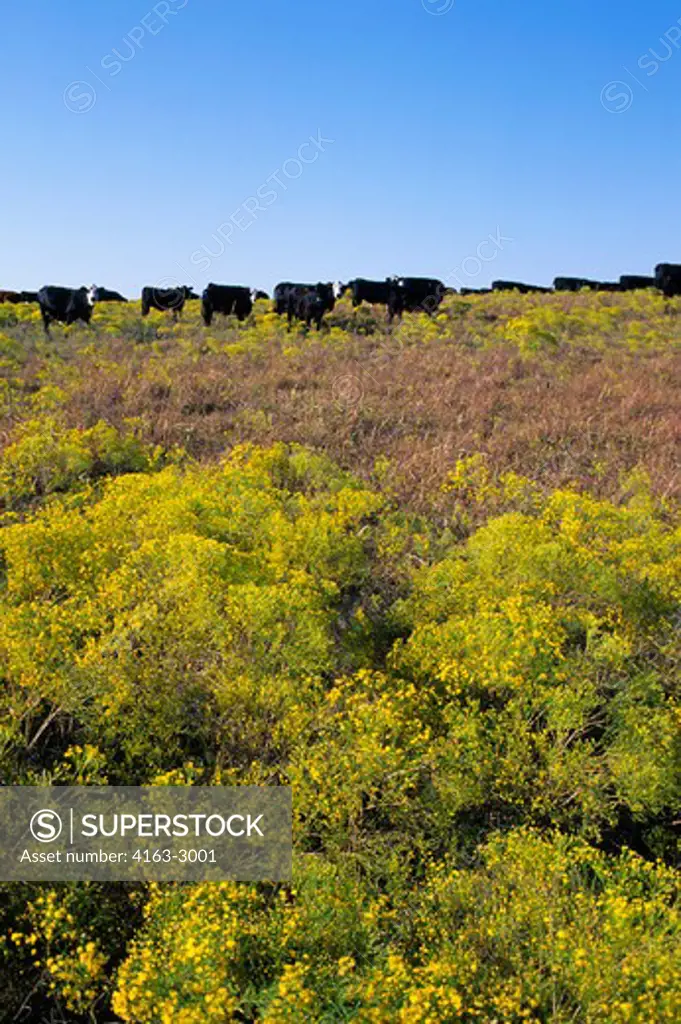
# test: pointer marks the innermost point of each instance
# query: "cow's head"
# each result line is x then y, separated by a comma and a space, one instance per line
91, 293
326, 293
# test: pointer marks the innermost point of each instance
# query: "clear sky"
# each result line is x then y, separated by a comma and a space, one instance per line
135, 130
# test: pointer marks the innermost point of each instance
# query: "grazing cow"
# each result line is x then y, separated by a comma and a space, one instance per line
308, 302
28, 297
668, 279
260, 295
573, 284
281, 293
476, 291
608, 286
413, 293
509, 286
226, 299
376, 292
631, 282
100, 294
166, 300
309, 307
9, 296
64, 304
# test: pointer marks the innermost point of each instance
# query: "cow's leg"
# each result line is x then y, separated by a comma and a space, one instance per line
46, 322
207, 313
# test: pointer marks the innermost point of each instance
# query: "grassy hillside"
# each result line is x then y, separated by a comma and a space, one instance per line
429, 576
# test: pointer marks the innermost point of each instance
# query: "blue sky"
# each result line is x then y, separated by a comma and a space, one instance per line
442, 129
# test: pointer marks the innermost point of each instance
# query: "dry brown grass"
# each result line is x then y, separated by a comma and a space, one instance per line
583, 415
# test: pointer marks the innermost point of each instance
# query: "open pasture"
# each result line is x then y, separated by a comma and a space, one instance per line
427, 574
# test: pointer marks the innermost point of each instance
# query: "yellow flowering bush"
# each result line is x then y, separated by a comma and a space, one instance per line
219, 588
44, 457
542, 928
534, 643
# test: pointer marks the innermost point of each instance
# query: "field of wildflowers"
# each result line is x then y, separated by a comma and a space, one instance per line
430, 577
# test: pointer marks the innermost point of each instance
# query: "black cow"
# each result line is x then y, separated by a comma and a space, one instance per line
608, 286
632, 282
308, 302
27, 297
105, 295
668, 279
281, 294
64, 304
166, 300
363, 290
260, 295
407, 294
573, 284
6, 296
476, 291
226, 299
509, 286
309, 307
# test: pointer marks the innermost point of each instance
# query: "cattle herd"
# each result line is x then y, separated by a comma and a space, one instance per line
309, 302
